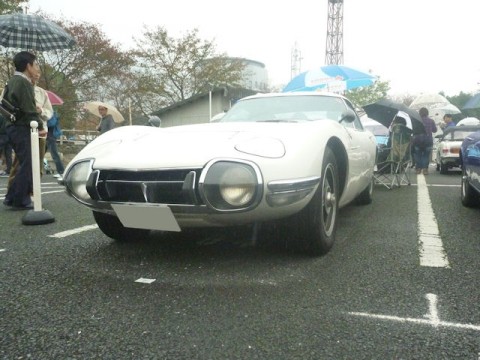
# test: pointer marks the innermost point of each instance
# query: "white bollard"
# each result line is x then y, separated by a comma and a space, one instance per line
37, 191
38, 215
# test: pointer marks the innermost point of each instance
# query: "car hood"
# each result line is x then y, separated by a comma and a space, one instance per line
141, 147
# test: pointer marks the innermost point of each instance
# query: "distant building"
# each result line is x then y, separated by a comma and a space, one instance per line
255, 76
201, 107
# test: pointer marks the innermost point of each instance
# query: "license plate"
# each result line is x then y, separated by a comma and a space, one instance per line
152, 217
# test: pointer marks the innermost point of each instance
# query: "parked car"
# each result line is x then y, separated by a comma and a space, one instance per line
448, 147
470, 162
289, 159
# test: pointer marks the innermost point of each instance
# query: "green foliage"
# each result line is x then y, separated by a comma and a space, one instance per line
369, 94
174, 69
11, 6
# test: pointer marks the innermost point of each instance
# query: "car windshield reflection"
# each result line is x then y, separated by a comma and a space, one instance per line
286, 109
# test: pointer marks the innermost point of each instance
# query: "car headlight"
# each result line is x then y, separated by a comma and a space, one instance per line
231, 185
76, 181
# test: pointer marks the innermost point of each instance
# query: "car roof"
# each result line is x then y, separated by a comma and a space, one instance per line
462, 128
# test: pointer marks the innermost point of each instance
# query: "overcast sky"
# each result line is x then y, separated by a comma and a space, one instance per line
420, 46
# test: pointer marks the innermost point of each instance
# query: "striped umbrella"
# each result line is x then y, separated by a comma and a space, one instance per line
334, 78
32, 32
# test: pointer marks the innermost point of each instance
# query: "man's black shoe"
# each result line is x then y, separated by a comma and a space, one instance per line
22, 207
7, 203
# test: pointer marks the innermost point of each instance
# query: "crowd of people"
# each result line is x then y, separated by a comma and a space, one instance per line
30, 103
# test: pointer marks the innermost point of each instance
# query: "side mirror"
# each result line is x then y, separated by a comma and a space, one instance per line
348, 116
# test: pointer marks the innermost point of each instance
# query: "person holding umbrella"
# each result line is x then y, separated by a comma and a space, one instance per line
423, 143
106, 121
19, 91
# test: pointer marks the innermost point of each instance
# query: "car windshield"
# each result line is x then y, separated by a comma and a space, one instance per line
286, 109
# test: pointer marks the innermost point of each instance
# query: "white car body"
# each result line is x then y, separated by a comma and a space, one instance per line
449, 144
287, 158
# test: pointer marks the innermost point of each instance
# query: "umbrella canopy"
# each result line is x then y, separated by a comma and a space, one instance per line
32, 32
385, 110
473, 103
447, 109
429, 101
468, 121
54, 98
92, 107
335, 78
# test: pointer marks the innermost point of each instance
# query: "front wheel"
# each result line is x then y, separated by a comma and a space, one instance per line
317, 223
469, 196
112, 227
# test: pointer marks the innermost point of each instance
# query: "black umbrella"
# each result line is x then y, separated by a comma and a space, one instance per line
32, 32
384, 111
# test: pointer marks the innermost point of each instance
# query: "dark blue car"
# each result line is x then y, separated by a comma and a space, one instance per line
470, 163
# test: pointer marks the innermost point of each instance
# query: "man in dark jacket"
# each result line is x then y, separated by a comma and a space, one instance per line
19, 92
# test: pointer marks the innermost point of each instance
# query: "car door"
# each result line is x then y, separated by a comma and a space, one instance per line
361, 153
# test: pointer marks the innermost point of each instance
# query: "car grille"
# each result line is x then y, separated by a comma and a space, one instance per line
159, 186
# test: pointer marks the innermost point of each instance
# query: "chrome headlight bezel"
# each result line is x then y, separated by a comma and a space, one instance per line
75, 180
228, 185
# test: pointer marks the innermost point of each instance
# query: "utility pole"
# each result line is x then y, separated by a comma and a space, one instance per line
334, 46
296, 62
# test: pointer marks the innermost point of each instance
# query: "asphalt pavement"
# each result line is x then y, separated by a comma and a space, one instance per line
69, 292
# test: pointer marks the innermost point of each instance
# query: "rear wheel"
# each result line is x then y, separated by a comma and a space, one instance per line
113, 228
316, 225
470, 197
443, 168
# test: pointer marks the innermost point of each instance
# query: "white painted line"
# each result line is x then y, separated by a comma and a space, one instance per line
432, 317
74, 231
431, 249
145, 280
2, 250
439, 185
52, 192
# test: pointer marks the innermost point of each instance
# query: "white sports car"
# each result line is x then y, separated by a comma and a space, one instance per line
449, 144
289, 159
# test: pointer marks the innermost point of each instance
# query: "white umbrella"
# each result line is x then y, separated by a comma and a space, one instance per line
469, 121
92, 107
429, 101
447, 109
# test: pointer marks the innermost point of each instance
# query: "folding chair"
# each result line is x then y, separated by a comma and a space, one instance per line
393, 161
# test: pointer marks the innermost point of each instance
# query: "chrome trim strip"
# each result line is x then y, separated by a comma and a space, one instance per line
292, 185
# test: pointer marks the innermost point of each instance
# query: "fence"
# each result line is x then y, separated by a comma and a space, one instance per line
78, 137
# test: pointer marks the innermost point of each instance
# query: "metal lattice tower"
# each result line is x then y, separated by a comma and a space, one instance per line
334, 46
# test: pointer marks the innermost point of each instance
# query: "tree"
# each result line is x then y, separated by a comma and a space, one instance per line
84, 72
369, 94
11, 6
175, 69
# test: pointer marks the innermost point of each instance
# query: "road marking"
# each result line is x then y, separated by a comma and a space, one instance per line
432, 317
74, 231
431, 249
2, 250
145, 280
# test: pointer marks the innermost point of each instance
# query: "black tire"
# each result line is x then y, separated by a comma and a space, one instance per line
317, 224
366, 196
443, 168
470, 198
112, 227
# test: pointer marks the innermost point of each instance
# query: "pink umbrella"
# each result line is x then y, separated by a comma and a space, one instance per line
54, 98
